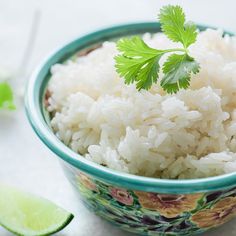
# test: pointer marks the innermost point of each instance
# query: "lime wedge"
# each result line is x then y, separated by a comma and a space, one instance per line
28, 215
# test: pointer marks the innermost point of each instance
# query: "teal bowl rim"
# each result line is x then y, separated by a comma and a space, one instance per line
33, 105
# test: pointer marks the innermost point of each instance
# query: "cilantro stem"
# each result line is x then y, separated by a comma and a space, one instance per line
176, 50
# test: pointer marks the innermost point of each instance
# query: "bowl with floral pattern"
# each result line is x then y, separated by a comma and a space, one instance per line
146, 206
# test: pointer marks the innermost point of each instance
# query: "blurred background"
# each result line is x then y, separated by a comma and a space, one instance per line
62, 20
29, 30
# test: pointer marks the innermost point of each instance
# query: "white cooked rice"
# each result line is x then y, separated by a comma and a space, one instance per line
190, 134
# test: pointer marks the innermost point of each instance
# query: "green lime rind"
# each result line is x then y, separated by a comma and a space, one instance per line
49, 232
25, 214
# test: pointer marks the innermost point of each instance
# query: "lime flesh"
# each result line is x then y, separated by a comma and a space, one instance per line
28, 215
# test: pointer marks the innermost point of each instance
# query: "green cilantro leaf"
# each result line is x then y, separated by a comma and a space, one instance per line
132, 47
172, 19
6, 96
138, 63
177, 70
148, 74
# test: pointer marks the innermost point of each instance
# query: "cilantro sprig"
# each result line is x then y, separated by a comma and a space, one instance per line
6, 93
6, 96
138, 63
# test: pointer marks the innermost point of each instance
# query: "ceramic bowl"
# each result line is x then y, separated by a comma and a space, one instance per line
147, 206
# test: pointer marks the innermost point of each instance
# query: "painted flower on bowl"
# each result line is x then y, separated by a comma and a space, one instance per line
221, 212
168, 205
87, 182
121, 195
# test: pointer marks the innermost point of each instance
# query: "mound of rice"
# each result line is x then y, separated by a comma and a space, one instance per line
190, 134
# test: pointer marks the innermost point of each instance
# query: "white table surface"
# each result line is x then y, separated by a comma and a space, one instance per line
24, 160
